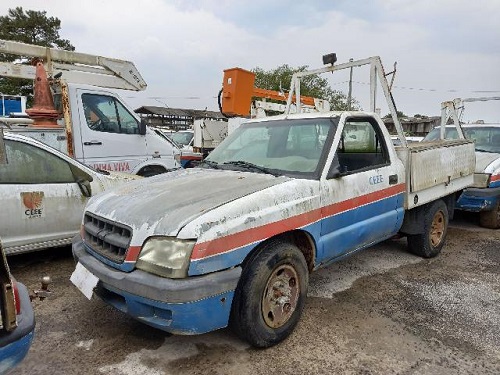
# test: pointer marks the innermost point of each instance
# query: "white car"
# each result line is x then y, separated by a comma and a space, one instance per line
43, 193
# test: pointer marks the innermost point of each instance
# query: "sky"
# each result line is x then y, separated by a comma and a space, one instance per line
444, 49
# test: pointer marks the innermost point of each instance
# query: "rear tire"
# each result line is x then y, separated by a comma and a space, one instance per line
490, 219
429, 243
271, 295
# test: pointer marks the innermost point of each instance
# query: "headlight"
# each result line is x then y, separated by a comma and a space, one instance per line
166, 256
481, 180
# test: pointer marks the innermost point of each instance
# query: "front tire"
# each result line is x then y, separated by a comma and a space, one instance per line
429, 243
271, 295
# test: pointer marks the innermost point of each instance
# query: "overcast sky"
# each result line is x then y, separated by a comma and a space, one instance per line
444, 49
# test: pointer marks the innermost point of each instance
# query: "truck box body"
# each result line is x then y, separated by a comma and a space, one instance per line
434, 170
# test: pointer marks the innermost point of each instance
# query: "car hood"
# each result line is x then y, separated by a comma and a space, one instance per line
483, 159
163, 204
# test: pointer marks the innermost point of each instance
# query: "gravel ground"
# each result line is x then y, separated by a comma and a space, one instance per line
382, 311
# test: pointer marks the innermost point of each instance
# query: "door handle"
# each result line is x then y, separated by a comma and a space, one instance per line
393, 179
93, 143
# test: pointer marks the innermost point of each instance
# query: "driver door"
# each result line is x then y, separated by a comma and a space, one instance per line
362, 202
109, 133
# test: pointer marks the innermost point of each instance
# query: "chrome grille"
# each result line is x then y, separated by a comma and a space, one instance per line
106, 237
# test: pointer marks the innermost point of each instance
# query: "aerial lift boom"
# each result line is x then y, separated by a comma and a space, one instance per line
76, 67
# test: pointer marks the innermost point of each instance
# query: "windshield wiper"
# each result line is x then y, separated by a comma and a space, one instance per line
247, 165
210, 164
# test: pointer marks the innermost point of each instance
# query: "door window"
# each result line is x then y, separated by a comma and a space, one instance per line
106, 114
361, 146
31, 165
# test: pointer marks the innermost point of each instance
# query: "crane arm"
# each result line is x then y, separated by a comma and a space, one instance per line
76, 67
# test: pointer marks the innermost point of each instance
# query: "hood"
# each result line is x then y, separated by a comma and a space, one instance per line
113, 179
483, 159
165, 203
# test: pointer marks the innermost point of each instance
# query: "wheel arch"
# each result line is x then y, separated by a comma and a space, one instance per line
413, 222
301, 238
151, 170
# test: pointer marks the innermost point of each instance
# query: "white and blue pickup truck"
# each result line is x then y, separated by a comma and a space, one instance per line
484, 195
232, 242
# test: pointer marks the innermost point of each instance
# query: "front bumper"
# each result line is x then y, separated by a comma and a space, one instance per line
478, 199
15, 345
192, 305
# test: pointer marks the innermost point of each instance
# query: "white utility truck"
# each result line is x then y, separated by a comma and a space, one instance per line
232, 242
93, 125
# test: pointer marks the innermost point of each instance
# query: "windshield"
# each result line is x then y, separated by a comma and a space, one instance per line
487, 138
182, 138
283, 147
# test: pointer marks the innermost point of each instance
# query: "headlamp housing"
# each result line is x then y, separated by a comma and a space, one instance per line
166, 256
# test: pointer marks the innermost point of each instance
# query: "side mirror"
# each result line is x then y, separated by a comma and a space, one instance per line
85, 187
334, 171
83, 179
142, 127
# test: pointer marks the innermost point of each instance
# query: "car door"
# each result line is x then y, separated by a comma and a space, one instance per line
362, 196
109, 133
41, 201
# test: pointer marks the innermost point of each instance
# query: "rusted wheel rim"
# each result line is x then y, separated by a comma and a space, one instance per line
437, 228
280, 296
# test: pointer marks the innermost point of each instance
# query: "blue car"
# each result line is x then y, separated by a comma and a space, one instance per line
17, 323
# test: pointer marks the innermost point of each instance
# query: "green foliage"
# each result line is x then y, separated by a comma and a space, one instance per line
398, 113
279, 79
32, 27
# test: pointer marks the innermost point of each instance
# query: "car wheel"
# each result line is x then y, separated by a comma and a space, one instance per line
271, 295
490, 219
429, 243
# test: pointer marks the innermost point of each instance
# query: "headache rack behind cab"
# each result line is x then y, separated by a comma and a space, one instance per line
109, 239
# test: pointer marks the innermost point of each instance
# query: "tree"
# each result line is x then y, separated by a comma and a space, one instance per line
398, 113
279, 79
32, 27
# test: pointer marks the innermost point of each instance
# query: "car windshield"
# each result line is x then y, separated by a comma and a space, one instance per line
282, 147
182, 138
487, 138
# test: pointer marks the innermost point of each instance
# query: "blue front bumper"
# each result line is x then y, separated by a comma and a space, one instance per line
193, 305
15, 345
477, 199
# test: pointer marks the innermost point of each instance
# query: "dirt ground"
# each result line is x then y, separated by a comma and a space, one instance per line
382, 311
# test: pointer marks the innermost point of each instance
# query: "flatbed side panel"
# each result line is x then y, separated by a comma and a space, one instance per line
431, 166
421, 197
